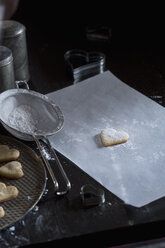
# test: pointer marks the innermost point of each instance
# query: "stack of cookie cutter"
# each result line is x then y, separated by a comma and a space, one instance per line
82, 64
10, 99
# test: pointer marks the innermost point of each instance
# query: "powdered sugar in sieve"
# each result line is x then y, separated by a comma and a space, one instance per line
24, 118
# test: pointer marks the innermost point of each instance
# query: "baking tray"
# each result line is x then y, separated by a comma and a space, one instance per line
31, 186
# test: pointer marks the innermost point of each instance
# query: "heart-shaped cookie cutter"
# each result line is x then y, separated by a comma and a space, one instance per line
91, 196
82, 64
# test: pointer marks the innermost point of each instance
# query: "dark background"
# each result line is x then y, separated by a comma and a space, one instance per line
135, 52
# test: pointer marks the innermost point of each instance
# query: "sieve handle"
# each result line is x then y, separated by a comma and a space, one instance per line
68, 184
54, 180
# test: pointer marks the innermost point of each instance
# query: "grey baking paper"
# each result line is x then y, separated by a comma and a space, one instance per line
133, 171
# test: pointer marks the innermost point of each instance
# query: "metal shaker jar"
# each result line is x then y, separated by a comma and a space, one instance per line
14, 37
6, 69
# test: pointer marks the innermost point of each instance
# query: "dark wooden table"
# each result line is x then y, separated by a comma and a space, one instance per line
135, 53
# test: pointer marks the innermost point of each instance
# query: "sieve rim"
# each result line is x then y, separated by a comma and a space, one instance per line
13, 92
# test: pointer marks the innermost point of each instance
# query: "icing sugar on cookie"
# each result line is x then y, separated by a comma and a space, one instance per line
110, 136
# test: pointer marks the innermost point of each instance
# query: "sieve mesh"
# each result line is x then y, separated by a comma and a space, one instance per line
37, 108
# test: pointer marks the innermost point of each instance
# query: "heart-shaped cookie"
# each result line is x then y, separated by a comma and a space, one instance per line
111, 137
7, 192
11, 170
2, 212
8, 154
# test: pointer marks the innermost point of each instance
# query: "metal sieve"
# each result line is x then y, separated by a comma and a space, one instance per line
48, 120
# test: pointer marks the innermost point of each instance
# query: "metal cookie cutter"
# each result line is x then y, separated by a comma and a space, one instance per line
92, 196
82, 64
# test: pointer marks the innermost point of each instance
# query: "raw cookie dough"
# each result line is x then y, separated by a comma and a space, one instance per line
11, 170
7, 192
110, 137
8, 154
2, 212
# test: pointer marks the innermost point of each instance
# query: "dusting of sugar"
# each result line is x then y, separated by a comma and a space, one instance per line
39, 223
130, 145
110, 135
135, 122
139, 158
23, 222
12, 228
149, 124
152, 124
35, 210
156, 156
45, 192
24, 118
29, 198
104, 120
68, 138
74, 139
46, 153
131, 222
